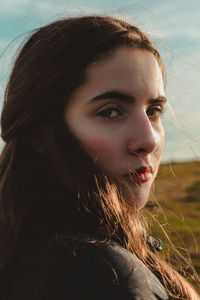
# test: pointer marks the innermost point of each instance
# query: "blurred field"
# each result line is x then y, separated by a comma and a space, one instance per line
177, 190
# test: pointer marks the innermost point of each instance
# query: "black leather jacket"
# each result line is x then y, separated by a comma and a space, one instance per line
100, 271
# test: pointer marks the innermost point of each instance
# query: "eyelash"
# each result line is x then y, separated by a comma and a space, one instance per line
110, 108
158, 109
103, 112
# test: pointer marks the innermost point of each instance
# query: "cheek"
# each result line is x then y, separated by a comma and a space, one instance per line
157, 154
162, 139
101, 149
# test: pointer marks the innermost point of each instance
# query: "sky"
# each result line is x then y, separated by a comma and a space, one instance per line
174, 26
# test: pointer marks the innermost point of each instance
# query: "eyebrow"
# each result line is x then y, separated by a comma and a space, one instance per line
115, 95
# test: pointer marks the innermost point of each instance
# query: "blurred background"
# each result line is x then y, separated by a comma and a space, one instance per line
173, 25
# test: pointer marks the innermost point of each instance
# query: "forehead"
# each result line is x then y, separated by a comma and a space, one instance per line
135, 72
129, 69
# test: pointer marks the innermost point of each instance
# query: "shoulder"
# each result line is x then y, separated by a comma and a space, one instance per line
86, 271
105, 270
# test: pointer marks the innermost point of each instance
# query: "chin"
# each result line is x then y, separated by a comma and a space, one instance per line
138, 197
141, 202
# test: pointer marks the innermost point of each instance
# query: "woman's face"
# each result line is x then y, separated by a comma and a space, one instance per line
116, 116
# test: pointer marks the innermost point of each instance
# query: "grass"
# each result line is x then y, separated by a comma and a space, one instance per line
177, 191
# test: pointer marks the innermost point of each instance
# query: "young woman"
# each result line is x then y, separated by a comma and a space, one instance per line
83, 138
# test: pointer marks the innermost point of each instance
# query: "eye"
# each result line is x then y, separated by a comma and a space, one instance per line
155, 112
111, 112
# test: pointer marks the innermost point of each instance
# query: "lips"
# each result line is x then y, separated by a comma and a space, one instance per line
140, 175
144, 169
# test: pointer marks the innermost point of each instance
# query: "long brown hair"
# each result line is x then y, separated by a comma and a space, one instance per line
48, 183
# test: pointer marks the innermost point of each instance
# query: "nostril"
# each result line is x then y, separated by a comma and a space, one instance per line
141, 151
136, 151
143, 142
144, 150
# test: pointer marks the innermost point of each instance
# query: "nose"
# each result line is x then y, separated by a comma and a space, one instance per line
143, 138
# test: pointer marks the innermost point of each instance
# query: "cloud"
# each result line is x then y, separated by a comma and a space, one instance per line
44, 9
13, 7
176, 19
27, 7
